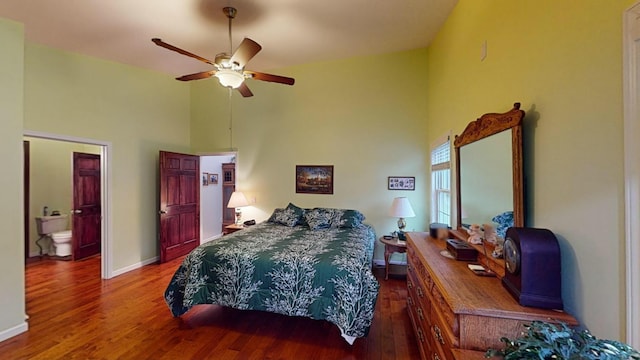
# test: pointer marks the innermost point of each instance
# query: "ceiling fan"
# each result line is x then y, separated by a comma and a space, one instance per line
229, 69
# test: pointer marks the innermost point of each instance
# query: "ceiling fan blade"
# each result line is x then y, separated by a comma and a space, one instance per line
247, 50
272, 78
244, 90
197, 76
178, 50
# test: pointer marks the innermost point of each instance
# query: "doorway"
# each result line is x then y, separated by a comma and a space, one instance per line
631, 83
103, 149
211, 194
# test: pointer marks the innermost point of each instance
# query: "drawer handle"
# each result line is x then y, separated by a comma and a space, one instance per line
420, 335
419, 291
410, 301
409, 284
435, 356
419, 310
408, 267
438, 334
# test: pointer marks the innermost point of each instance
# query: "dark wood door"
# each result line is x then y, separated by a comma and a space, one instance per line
179, 204
87, 209
228, 187
27, 182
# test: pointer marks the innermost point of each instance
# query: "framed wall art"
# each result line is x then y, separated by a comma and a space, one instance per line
205, 179
401, 183
213, 179
314, 179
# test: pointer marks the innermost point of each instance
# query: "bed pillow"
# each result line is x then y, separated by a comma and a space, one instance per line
290, 216
504, 221
322, 218
351, 219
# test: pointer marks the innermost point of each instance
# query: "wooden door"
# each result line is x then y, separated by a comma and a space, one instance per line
179, 204
228, 187
27, 182
87, 209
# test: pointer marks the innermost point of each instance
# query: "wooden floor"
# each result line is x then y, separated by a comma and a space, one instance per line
76, 315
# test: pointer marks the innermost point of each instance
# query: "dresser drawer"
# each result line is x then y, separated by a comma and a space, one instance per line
424, 343
441, 335
444, 312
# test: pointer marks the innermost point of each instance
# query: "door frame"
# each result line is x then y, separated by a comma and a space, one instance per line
631, 110
106, 150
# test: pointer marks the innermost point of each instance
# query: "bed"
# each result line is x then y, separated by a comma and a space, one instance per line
314, 263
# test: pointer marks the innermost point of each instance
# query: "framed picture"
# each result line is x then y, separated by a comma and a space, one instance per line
205, 179
213, 179
401, 183
314, 179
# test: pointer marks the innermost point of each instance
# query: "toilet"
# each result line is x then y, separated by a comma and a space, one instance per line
62, 242
55, 227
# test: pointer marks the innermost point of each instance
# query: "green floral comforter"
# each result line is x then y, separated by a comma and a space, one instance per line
321, 274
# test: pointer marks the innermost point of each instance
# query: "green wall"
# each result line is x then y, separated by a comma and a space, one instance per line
138, 111
12, 301
366, 116
51, 181
563, 61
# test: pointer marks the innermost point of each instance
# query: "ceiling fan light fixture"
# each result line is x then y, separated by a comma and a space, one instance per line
229, 78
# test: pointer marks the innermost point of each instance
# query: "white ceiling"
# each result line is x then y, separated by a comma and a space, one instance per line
291, 32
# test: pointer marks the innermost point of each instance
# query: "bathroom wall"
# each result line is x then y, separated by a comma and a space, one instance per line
211, 198
51, 180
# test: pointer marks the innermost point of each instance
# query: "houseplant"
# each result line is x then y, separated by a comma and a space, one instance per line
544, 340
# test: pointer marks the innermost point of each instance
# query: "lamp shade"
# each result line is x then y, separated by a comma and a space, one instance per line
237, 200
229, 78
401, 208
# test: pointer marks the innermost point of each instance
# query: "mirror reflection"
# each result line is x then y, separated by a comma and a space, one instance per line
486, 179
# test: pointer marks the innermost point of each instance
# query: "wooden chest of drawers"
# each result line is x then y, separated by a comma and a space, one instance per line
451, 308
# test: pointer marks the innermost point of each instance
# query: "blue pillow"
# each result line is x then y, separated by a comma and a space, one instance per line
504, 221
288, 217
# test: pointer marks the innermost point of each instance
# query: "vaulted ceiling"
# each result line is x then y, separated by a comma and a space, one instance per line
291, 32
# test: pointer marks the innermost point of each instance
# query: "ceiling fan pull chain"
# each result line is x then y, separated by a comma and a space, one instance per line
230, 121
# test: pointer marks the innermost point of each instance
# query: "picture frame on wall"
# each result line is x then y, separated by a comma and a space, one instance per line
205, 179
314, 179
213, 179
401, 183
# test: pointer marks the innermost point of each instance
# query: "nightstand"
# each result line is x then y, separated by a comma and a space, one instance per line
229, 229
391, 246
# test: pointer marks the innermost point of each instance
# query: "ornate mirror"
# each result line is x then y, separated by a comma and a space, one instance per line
489, 170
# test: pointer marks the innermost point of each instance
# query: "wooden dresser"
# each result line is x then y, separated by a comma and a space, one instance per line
452, 309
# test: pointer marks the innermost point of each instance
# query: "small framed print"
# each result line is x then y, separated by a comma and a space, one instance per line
213, 179
205, 179
401, 183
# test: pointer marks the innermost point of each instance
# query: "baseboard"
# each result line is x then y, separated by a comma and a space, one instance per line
134, 266
16, 330
211, 238
380, 262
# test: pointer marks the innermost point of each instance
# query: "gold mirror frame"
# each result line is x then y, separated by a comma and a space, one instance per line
487, 125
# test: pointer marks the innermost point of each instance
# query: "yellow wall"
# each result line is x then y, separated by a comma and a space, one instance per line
563, 61
50, 181
366, 116
12, 303
138, 111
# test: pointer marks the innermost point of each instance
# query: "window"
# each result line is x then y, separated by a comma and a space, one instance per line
441, 181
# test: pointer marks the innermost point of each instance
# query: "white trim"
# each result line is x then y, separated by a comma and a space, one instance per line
106, 184
631, 60
13, 331
126, 269
214, 237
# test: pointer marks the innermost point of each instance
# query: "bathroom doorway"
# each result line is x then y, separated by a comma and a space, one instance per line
51, 175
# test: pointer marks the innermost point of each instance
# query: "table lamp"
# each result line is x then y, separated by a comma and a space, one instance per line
401, 208
237, 201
